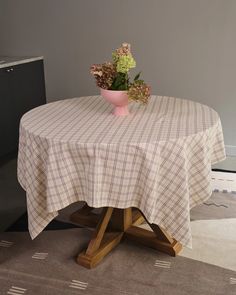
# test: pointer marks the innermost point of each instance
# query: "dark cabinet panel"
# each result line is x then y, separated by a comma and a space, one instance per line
7, 126
22, 88
28, 86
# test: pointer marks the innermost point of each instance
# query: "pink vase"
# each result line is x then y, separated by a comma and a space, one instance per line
119, 98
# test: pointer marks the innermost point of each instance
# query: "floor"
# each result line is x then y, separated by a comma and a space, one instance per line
228, 164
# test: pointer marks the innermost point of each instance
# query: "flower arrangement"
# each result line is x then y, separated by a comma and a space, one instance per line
115, 75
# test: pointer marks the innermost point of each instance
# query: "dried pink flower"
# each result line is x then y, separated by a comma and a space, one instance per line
125, 49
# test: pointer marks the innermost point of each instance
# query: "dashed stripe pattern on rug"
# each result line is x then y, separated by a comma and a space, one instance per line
78, 285
162, 264
40, 255
5, 244
232, 281
16, 290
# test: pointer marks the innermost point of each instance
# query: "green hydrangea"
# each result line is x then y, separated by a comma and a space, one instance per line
124, 63
115, 57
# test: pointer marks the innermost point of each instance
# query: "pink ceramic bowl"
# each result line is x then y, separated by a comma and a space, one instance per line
119, 99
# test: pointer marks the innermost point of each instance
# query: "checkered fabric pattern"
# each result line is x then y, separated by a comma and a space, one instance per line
157, 159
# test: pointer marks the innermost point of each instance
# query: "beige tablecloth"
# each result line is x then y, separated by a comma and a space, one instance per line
157, 159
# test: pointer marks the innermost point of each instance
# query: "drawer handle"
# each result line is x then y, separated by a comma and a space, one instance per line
10, 70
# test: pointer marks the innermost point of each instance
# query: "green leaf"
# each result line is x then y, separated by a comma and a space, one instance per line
140, 81
121, 82
137, 76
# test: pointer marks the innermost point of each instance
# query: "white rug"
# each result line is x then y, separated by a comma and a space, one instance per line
214, 242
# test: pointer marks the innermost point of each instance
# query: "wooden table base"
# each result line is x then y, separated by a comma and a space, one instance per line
114, 224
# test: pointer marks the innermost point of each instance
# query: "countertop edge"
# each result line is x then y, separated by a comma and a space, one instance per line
20, 61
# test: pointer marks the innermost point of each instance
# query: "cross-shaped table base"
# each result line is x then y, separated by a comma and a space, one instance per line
114, 224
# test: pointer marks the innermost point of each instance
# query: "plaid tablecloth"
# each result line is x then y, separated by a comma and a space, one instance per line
157, 159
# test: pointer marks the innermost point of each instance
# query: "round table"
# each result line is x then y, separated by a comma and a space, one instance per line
154, 163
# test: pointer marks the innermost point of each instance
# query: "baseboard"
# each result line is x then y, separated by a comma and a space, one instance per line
224, 182
230, 150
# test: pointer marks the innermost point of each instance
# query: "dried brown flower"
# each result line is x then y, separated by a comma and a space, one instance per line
139, 91
104, 74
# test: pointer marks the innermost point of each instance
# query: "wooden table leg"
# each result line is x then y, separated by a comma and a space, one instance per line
112, 225
159, 239
85, 217
101, 243
150, 239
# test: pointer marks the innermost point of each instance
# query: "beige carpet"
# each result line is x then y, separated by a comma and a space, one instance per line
214, 242
214, 231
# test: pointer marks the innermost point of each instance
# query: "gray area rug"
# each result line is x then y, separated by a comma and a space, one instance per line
219, 206
47, 266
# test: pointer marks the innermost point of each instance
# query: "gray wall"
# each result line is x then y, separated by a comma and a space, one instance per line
185, 48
